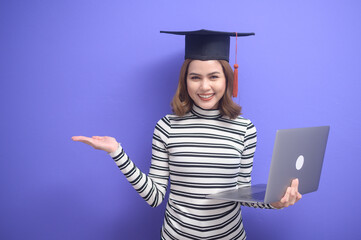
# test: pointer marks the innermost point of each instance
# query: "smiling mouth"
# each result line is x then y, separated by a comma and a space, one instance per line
206, 97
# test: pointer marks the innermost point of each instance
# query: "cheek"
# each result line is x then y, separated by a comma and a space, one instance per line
191, 88
222, 86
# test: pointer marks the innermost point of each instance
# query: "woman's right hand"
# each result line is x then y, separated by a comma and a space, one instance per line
108, 144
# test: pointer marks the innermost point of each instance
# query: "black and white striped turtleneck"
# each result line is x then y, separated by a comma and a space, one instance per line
200, 153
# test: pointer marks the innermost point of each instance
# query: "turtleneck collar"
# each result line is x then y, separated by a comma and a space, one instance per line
206, 113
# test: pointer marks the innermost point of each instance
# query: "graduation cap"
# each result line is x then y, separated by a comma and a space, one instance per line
210, 45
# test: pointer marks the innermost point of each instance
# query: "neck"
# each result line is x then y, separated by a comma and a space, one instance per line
205, 113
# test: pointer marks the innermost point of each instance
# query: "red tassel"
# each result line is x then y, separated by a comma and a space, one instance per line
235, 80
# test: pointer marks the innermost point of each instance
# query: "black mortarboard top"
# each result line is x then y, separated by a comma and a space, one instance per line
207, 45
210, 45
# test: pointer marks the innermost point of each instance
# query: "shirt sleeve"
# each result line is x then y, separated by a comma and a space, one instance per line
244, 178
151, 187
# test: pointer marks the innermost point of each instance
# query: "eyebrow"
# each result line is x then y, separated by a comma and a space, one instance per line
215, 72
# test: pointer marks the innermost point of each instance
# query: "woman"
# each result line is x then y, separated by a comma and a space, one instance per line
203, 148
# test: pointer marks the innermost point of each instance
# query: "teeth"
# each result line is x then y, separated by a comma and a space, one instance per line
206, 96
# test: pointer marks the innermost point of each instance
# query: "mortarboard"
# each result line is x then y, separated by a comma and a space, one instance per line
210, 45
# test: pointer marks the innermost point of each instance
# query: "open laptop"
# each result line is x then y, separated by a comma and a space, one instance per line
297, 153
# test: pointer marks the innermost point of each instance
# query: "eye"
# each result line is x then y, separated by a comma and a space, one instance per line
214, 77
195, 77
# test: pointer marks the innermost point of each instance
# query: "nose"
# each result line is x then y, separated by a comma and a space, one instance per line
205, 84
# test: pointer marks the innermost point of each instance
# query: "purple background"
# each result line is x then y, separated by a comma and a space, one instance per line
102, 68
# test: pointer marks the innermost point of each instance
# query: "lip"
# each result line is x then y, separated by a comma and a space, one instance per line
206, 97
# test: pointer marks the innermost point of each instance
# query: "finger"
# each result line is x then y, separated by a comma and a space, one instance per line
298, 195
85, 140
286, 197
98, 137
75, 138
79, 138
293, 197
295, 183
293, 193
283, 201
290, 196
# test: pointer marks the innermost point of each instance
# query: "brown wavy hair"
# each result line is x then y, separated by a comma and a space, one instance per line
182, 103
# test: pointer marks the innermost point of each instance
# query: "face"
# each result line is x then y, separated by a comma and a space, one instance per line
206, 83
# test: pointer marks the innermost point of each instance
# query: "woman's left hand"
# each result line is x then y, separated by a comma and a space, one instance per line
291, 196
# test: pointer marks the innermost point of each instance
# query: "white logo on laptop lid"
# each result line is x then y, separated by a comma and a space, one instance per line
299, 162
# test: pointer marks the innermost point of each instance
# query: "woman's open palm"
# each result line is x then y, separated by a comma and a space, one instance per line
108, 144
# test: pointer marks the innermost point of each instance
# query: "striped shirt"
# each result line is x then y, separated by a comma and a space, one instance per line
200, 153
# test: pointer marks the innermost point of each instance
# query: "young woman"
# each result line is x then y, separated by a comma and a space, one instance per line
204, 147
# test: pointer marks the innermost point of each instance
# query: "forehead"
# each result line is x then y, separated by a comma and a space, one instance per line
198, 66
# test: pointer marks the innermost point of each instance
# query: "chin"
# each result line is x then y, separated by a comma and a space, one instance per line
207, 106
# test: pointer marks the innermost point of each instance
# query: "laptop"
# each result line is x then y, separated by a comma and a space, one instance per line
297, 153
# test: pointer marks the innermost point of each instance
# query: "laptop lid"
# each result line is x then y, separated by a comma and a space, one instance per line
297, 153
